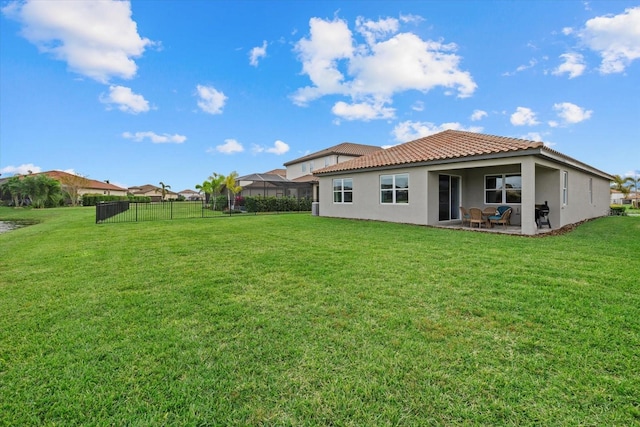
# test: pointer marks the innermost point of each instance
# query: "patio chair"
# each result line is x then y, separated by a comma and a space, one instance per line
504, 218
476, 217
465, 216
501, 209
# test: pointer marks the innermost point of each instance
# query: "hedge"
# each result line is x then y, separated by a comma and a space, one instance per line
94, 199
276, 204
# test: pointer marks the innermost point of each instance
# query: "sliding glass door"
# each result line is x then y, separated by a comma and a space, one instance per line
448, 197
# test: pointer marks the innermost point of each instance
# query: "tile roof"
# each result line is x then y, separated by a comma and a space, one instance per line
90, 184
346, 148
450, 144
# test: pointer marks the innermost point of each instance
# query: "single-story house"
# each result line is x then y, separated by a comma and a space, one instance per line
78, 185
153, 192
190, 195
426, 181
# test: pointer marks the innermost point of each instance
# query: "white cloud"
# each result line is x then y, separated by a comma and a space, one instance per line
409, 130
230, 146
126, 100
418, 106
258, 52
372, 72
532, 63
362, 111
97, 39
375, 30
155, 138
23, 169
211, 100
478, 115
615, 38
279, 147
524, 116
573, 65
532, 136
571, 113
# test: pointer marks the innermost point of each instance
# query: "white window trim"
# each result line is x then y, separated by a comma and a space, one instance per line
503, 190
341, 191
393, 189
565, 188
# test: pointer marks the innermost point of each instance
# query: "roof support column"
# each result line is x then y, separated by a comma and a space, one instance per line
528, 202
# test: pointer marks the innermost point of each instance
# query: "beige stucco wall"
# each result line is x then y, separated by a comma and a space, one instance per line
295, 170
366, 198
541, 181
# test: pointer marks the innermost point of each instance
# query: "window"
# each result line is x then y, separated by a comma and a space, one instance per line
394, 188
304, 167
311, 166
343, 190
503, 189
565, 187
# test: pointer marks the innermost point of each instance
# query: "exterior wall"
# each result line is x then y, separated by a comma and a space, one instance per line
579, 206
295, 170
83, 191
366, 198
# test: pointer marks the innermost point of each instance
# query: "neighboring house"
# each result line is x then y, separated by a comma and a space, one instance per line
82, 185
301, 170
190, 194
153, 192
89, 186
617, 198
427, 180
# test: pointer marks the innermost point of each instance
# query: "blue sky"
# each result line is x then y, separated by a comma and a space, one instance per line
147, 91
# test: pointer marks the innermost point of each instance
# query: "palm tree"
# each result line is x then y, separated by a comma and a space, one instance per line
216, 185
622, 185
205, 187
164, 189
230, 184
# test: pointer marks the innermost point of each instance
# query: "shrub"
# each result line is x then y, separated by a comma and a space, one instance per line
276, 204
617, 210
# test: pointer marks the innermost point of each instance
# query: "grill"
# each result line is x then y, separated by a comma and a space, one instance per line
542, 215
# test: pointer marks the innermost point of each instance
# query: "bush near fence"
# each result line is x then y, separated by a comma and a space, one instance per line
276, 204
94, 199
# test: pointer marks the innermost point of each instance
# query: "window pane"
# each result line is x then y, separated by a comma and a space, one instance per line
337, 197
493, 196
348, 197
402, 196
513, 181
493, 182
386, 196
386, 182
514, 196
337, 184
402, 181
348, 184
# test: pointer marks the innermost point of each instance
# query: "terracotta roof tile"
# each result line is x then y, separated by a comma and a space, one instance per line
450, 144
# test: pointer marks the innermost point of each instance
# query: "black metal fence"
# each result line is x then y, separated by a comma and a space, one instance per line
125, 211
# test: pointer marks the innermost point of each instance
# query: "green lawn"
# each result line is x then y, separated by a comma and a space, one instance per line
300, 320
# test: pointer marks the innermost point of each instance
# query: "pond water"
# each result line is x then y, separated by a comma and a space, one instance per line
6, 226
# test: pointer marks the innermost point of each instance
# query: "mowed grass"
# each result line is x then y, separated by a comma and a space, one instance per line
309, 321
